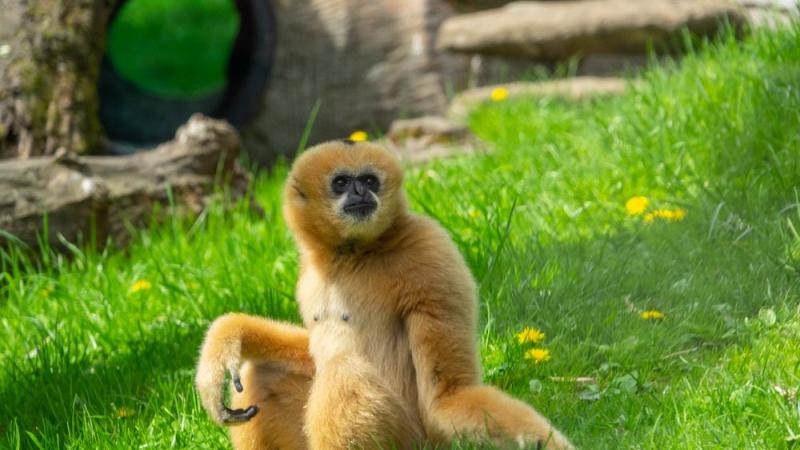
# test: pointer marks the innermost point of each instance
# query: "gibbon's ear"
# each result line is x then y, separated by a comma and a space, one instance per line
297, 190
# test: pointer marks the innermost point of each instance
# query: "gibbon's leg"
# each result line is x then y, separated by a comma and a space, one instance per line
350, 407
350, 404
235, 338
281, 397
487, 413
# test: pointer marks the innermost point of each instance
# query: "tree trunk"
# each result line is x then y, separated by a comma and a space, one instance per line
50, 53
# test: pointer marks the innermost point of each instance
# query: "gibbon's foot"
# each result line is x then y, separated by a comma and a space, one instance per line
232, 416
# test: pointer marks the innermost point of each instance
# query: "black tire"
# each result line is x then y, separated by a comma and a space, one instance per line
134, 118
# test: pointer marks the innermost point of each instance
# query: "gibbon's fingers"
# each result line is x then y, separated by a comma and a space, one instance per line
232, 416
237, 382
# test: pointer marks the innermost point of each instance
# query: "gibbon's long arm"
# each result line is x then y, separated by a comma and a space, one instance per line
235, 338
451, 394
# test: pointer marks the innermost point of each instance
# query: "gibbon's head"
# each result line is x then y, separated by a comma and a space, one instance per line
343, 193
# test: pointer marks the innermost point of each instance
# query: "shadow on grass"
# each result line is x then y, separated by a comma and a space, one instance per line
63, 385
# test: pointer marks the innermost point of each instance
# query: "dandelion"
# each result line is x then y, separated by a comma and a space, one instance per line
359, 136
499, 94
473, 213
636, 205
653, 314
125, 412
530, 335
670, 215
538, 355
140, 285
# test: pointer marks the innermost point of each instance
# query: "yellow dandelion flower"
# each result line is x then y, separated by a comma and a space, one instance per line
530, 335
670, 215
636, 205
538, 355
359, 136
473, 213
125, 412
499, 94
653, 314
141, 285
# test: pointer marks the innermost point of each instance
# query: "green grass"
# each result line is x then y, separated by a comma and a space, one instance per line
87, 363
174, 48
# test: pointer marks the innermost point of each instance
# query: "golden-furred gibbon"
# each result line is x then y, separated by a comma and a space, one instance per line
387, 356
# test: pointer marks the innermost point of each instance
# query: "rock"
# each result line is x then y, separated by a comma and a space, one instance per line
612, 64
785, 5
477, 5
364, 63
425, 138
771, 13
577, 88
558, 30
430, 128
770, 18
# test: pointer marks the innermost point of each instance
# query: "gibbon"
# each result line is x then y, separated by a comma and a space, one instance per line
388, 356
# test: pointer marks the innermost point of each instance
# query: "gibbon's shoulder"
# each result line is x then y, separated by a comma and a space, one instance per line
428, 233
427, 246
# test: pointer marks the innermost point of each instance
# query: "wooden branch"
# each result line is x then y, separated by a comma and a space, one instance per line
78, 195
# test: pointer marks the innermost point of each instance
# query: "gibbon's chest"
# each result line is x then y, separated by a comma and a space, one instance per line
354, 303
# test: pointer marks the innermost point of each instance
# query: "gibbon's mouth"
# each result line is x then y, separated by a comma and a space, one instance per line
360, 210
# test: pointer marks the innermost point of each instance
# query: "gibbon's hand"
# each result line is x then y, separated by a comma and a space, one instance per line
234, 338
231, 416
221, 353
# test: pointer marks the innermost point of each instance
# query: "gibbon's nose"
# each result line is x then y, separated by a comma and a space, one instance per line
359, 188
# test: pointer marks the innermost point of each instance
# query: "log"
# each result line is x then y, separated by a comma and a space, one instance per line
82, 197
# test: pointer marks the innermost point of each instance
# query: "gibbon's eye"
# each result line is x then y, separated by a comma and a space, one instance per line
371, 181
340, 183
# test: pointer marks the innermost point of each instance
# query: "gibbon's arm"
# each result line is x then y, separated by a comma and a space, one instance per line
452, 398
235, 338
444, 354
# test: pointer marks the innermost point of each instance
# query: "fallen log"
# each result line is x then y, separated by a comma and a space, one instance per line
74, 198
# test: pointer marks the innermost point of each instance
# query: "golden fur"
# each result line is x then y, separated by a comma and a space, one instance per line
388, 352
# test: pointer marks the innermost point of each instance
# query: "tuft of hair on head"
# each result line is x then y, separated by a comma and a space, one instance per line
343, 194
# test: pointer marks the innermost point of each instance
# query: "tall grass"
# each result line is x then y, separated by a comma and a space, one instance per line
88, 362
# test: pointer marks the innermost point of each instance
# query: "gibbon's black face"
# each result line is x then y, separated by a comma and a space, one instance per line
358, 193
344, 192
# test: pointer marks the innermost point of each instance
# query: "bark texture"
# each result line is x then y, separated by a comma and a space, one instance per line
81, 195
50, 54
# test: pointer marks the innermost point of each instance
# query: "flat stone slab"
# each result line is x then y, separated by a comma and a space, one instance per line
787, 5
577, 88
423, 139
558, 30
